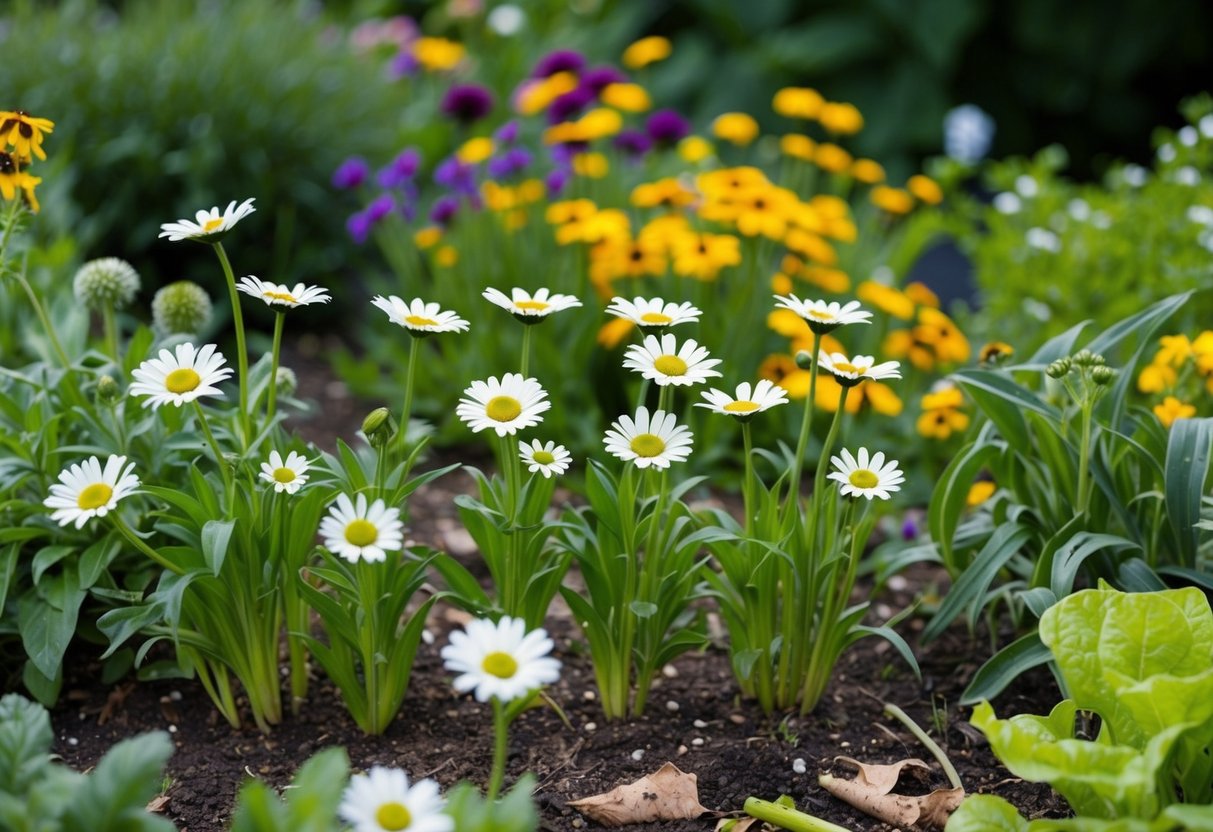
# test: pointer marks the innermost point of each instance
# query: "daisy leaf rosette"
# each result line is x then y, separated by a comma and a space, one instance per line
418, 317
357, 530
824, 316
86, 490
181, 376
547, 459
664, 362
286, 475
208, 226
500, 660
866, 476
654, 313
530, 308
506, 406
276, 294
852, 371
747, 401
646, 441
382, 800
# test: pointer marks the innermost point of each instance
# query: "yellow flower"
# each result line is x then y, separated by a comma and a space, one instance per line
646, 51
609, 225
666, 230
867, 171
1156, 378
887, 299
948, 398
24, 133
764, 211
979, 492
941, 423
841, 118
881, 397
830, 280
840, 228
427, 237
798, 146
731, 182
787, 323
638, 257
13, 180
832, 158
781, 284
926, 189
446, 256
614, 331
995, 352
591, 165
498, 197
1202, 351
1176, 349
474, 151
738, 128
566, 132
515, 219
570, 210
892, 200
531, 190
938, 330
695, 149
702, 255
631, 98
600, 123
798, 102
537, 95
664, 193
900, 343
437, 54
921, 294
1172, 409
811, 246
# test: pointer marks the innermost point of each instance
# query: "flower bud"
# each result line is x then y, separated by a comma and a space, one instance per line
106, 282
1083, 358
108, 390
286, 381
1102, 375
379, 427
181, 307
804, 359
1058, 369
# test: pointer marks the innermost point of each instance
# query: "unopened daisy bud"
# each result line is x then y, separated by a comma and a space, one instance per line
106, 282
804, 359
286, 381
379, 427
181, 307
1102, 375
1083, 358
108, 390
1058, 369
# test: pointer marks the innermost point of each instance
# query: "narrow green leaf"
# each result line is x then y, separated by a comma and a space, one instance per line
1004, 667
216, 535
1186, 469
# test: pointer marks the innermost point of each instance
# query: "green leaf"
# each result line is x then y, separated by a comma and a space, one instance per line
986, 813
47, 620
1004, 667
1185, 472
316, 792
971, 587
1078, 548
25, 741
113, 797
216, 534
950, 496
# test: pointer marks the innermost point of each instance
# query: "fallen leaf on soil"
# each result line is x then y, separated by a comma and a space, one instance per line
158, 803
872, 792
666, 794
738, 824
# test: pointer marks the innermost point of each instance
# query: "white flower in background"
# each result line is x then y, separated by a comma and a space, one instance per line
500, 660
1043, 239
1007, 203
275, 294
851, 371
968, 131
1206, 126
106, 281
383, 801
287, 475
355, 531
1188, 175
506, 19
1079, 209
864, 477
747, 401
663, 361
208, 226
1026, 186
417, 316
1134, 175
1200, 214
522, 304
506, 406
653, 313
180, 378
648, 442
85, 490
544, 459
822, 316
1037, 309
1167, 152
1101, 220
1205, 238
1188, 136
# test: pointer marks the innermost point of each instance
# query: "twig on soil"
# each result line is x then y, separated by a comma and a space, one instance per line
932, 746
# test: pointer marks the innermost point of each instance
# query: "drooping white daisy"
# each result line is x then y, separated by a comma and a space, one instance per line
864, 477
275, 294
643, 441
851, 371
85, 490
822, 316
180, 378
653, 313
208, 226
355, 531
544, 459
506, 406
665, 363
747, 401
383, 801
287, 475
419, 317
500, 660
528, 308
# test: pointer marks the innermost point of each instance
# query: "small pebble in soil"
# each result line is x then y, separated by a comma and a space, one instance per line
699, 723
799, 766
591, 726
698, 741
671, 705
577, 823
172, 729
175, 695
427, 636
669, 671
589, 696
844, 744
638, 754
72, 741
682, 749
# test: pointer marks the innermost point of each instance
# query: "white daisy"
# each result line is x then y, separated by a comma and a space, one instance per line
654, 313
822, 316
662, 361
354, 531
851, 371
85, 491
287, 475
500, 660
644, 441
866, 477
506, 406
543, 459
208, 226
383, 801
275, 294
418, 316
747, 402
179, 379
528, 308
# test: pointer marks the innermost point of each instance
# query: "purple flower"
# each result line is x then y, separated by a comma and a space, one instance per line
562, 154
456, 176
570, 104
467, 103
510, 162
909, 530
601, 76
562, 60
444, 210
556, 181
665, 127
359, 226
351, 173
403, 65
633, 143
507, 133
401, 170
380, 207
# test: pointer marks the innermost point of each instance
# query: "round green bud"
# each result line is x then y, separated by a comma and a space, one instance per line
1102, 375
106, 282
804, 359
379, 427
181, 307
108, 390
1058, 369
1083, 358
286, 381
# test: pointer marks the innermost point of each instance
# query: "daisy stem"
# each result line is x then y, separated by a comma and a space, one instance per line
210, 438
501, 728
110, 322
526, 348
138, 543
747, 485
1084, 459
50, 329
241, 352
805, 429
272, 394
407, 412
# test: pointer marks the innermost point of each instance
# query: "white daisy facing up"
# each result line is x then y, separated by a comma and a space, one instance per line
208, 226
500, 660
288, 474
663, 361
383, 801
748, 400
866, 477
822, 316
646, 441
653, 313
419, 317
275, 294
852, 371
506, 406
355, 531
181, 377
85, 490
528, 308
544, 459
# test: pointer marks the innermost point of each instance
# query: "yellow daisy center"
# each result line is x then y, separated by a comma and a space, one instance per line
285, 475
361, 533
655, 318
543, 457
417, 320
670, 365
182, 380
819, 315
211, 225
94, 496
393, 816
499, 664
647, 445
503, 408
536, 305
863, 478
844, 367
741, 407
283, 296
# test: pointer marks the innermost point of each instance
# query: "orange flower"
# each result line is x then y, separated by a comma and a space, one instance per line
926, 189
841, 118
798, 102
1172, 409
737, 128
892, 200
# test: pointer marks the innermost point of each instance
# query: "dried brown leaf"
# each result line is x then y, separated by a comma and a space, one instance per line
158, 803
872, 792
666, 794
739, 824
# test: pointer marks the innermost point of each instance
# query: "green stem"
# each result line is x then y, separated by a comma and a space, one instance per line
46, 324
110, 323
241, 351
806, 425
272, 395
501, 729
937, 752
788, 818
210, 438
526, 348
368, 590
406, 412
1084, 459
138, 543
747, 485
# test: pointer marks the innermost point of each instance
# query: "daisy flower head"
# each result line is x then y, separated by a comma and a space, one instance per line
208, 226
288, 474
661, 360
507, 406
383, 801
646, 441
544, 459
852, 371
500, 659
864, 476
275, 294
357, 531
653, 313
528, 308
748, 400
180, 378
85, 490
418, 317
824, 317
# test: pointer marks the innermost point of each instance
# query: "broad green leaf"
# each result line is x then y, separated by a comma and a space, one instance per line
986, 813
316, 793
1186, 469
216, 535
47, 620
113, 797
25, 740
